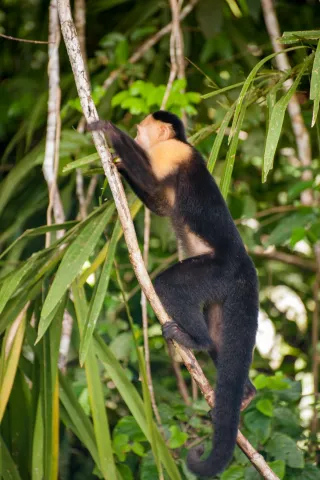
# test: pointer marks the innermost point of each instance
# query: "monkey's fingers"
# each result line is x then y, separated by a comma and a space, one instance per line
104, 125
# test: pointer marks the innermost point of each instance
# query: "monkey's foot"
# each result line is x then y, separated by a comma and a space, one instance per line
249, 393
211, 414
172, 331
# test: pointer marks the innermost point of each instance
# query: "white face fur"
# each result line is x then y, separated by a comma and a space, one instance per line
151, 131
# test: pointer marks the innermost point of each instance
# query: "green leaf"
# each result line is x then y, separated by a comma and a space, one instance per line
275, 382
233, 473
218, 140
294, 37
8, 469
12, 282
121, 446
9, 185
265, 406
75, 418
278, 467
177, 438
135, 105
276, 121
315, 85
258, 424
129, 426
10, 355
297, 188
193, 97
97, 402
135, 404
122, 52
298, 234
74, 258
287, 225
138, 449
119, 98
310, 472
99, 294
247, 84
282, 447
229, 163
81, 162
37, 445
45, 322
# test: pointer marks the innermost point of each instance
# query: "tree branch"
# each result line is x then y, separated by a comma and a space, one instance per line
138, 54
89, 110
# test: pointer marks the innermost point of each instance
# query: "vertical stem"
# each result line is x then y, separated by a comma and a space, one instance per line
297, 122
146, 242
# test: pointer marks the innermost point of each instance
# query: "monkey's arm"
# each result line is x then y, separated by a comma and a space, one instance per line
134, 159
152, 201
134, 166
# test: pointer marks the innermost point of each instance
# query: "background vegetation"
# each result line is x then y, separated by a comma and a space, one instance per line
96, 421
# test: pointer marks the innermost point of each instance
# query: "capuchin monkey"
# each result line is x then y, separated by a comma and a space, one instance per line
212, 295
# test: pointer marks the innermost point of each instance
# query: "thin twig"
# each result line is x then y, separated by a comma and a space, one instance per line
284, 257
182, 386
90, 112
297, 122
51, 157
138, 54
24, 40
91, 189
51, 160
80, 23
175, 68
146, 242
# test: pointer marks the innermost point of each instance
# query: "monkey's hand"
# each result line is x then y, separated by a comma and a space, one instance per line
104, 125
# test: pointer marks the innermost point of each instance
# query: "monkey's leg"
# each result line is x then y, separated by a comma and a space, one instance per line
214, 320
183, 289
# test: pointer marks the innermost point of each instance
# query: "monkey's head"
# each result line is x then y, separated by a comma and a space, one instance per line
158, 127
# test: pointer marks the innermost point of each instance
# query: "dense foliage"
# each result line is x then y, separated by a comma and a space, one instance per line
96, 421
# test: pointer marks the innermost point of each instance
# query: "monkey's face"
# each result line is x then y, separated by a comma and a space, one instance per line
151, 131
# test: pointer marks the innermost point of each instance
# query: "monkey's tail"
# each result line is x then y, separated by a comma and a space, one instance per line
235, 355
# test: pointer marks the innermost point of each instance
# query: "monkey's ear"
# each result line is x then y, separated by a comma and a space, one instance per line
165, 131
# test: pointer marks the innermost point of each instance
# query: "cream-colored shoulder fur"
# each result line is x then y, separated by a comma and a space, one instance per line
167, 156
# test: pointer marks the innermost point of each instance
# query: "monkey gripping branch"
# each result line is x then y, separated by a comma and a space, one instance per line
90, 112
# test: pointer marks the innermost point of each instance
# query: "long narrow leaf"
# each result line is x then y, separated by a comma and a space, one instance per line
37, 445
134, 403
74, 258
294, 37
76, 419
10, 354
81, 162
229, 163
218, 140
315, 85
148, 409
276, 121
99, 295
11, 283
134, 209
99, 414
247, 84
8, 469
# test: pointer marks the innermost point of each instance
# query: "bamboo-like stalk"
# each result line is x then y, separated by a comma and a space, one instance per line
90, 112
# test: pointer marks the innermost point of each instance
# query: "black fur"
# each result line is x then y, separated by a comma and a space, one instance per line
226, 278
